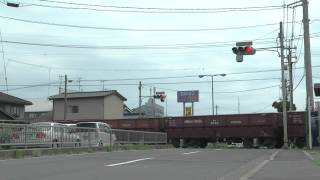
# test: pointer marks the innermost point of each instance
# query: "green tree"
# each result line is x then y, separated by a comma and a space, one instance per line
278, 105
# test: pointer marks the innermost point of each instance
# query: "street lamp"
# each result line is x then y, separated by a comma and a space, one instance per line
212, 91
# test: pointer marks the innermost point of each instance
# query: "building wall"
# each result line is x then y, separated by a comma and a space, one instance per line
89, 108
113, 107
148, 107
16, 111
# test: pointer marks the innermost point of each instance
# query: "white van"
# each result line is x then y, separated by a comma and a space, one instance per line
95, 134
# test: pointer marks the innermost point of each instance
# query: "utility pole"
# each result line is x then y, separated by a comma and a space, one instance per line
291, 79
60, 84
212, 95
4, 64
65, 98
153, 103
307, 54
79, 84
238, 105
140, 98
217, 109
284, 89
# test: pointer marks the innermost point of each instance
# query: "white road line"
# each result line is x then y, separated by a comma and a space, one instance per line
273, 155
259, 166
128, 162
308, 155
190, 152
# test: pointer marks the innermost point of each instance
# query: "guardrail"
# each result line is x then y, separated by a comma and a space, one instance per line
28, 135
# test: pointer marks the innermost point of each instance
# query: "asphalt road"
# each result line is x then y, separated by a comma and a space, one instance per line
171, 164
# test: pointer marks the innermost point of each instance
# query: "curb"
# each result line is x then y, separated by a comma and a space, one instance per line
22, 153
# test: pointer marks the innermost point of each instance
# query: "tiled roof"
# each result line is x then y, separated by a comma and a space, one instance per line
88, 95
6, 98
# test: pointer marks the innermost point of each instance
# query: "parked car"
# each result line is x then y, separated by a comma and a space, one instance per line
47, 134
95, 134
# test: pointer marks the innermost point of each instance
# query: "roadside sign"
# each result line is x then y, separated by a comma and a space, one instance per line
188, 96
244, 43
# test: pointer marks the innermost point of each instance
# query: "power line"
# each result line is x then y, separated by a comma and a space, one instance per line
144, 78
224, 92
134, 47
101, 69
299, 83
225, 81
31, 86
134, 29
157, 8
262, 109
128, 9
124, 47
146, 84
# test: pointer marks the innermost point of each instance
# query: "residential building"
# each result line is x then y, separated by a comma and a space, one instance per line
39, 111
150, 109
12, 108
88, 105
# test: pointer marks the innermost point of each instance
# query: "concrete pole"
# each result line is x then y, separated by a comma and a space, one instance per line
212, 95
307, 54
217, 109
140, 98
284, 89
65, 98
238, 105
153, 103
291, 79
309, 124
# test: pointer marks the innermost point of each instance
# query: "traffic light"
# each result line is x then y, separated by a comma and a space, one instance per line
244, 50
162, 97
157, 96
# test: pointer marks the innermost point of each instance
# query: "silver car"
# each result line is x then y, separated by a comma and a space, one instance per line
47, 134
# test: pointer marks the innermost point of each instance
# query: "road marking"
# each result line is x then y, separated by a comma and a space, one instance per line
191, 152
259, 167
273, 155
308, 155
128, 162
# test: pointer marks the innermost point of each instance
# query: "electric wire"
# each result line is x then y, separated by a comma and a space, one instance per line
135, 29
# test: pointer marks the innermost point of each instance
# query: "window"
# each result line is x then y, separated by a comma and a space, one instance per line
15, 111
74, 109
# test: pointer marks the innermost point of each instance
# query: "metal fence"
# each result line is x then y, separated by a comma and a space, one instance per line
59, 136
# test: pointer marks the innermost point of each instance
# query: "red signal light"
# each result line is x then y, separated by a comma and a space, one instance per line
248, 50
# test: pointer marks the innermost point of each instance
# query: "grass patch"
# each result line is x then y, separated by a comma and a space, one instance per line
36, 153
217, 146
316, 162
134, 147
19, 154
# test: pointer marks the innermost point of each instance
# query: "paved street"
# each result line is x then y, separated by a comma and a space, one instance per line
175, 164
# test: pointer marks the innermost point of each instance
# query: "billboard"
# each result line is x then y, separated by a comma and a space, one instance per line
188, 96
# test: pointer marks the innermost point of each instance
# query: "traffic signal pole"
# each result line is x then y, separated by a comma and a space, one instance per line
284, 90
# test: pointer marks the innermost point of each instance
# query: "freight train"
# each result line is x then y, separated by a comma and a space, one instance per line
253, 130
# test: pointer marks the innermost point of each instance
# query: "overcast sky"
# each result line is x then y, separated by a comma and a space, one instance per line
116, 48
